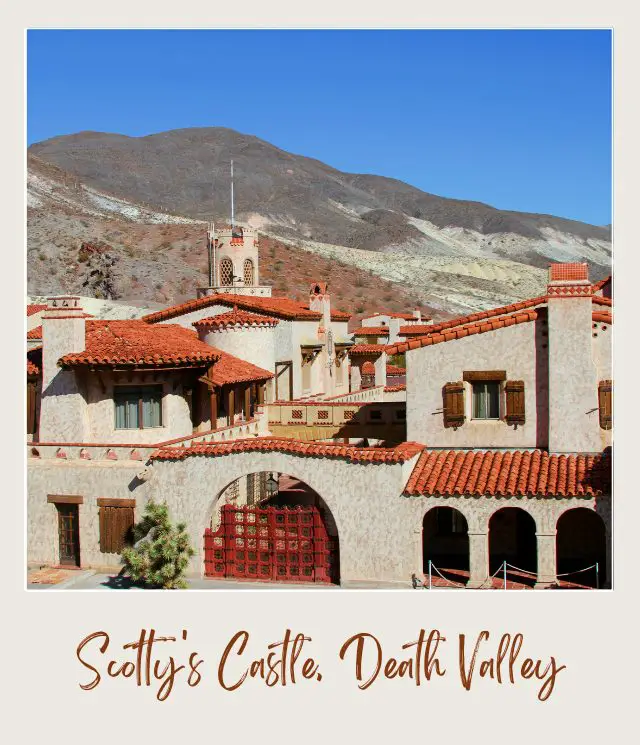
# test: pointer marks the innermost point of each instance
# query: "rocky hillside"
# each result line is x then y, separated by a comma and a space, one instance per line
85, 241
147, 197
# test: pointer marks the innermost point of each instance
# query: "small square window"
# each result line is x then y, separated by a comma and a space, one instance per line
138, 407
486, 400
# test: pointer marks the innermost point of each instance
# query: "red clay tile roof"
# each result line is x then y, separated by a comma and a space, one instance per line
234, 318
602, 316
229, 369
404, 316
279, 307
395, 370
135, 342
399, 454
597, 300
394, 388
417, 328
602, 284
371, 331
367, 349
368, 368
33, 309
35, 333
494, 473
460, 332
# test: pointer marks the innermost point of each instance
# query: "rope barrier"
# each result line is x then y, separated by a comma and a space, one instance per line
577, 571
453, 584
524, 571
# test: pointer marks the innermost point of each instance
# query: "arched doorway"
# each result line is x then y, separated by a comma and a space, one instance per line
512, 538
445, 542
580, 543
272, 527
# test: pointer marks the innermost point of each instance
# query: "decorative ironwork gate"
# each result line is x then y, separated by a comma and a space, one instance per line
286, 544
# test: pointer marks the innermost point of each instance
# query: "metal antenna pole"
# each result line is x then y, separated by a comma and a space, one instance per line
232, 212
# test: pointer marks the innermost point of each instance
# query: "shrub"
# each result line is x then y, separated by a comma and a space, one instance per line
161, 554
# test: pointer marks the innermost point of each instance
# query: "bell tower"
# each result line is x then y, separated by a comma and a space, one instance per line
234, 262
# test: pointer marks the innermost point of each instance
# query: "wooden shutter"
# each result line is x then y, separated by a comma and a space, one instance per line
605, 403
115, 526
31, 407
453, 404
514, 390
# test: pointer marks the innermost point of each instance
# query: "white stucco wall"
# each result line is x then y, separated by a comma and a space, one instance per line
379, 530
515, 349
573, 383
176, 420
254, 344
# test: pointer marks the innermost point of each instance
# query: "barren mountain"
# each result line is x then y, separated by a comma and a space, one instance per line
147, 198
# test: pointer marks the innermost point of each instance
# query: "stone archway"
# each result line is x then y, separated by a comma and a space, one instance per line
580, 543
512, 538
289, 536
445, 542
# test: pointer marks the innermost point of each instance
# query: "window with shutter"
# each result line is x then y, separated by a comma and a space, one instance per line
514, 393
453, 404
605, 403
116, 523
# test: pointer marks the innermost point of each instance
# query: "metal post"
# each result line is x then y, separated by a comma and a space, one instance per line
429, 573
504, 574
597, 576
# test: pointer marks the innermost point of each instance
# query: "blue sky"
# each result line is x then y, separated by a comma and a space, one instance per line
520, 120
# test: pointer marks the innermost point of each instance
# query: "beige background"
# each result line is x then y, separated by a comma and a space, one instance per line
594, 634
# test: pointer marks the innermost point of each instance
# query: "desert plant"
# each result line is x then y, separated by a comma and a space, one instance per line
161, 553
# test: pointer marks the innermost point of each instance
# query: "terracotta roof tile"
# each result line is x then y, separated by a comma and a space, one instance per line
235, 318
135, 342
402, 316
602, 284
279, 307
367, 349
33, 309
417, 328
597, 300
229, 369
459, 332
519, 473
602, 317
394, 388
399, 454
35, 333
371, 331
395, 370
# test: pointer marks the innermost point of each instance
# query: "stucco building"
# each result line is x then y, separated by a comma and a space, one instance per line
291, 452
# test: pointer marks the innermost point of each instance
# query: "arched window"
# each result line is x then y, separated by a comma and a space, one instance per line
248, 272
226, 272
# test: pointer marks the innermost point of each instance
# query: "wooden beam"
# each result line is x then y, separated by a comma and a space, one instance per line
247, 402
106, 502
64, 499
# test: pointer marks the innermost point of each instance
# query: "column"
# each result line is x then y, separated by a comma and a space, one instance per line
231, 406
547, 567
213, 399
247, 403
478, 560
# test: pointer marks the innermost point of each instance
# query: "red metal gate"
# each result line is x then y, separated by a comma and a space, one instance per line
287, 544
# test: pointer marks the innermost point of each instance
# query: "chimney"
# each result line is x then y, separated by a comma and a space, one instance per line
320, 301
573, 385
417, 314
63, 408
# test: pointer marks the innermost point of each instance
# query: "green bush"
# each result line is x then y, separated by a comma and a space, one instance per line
161, 553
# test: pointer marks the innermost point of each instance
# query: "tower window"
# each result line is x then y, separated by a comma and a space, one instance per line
248, 272
226, 272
